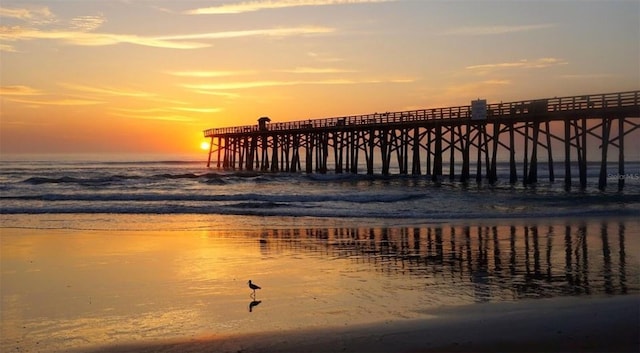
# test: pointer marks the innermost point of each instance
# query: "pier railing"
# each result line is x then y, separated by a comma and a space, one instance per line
517, 109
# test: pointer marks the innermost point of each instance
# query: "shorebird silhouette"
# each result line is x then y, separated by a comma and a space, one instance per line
253, 286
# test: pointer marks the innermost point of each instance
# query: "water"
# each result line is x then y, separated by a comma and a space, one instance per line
177, 187
101, 253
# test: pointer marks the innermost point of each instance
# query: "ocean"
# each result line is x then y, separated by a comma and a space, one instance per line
188, 187
101, 253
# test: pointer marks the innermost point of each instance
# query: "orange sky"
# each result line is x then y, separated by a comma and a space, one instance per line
148, 76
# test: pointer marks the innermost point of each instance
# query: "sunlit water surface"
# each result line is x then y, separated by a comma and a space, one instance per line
85, 280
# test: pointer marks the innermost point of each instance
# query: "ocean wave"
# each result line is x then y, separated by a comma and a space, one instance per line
81, 181
358, 198
292, 210
209, 178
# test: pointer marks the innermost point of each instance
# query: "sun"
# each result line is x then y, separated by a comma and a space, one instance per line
204, 145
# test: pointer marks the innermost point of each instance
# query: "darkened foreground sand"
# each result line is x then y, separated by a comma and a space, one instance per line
570, 324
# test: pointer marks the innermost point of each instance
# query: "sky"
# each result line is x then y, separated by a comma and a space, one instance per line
145, 76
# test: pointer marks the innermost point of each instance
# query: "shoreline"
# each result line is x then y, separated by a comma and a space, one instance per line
567, 324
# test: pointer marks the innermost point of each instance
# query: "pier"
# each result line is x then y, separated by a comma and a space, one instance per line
468, 139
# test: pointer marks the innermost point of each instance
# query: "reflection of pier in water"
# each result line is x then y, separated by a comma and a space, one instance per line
491, 261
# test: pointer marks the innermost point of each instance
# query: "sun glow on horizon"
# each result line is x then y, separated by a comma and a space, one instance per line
204, 145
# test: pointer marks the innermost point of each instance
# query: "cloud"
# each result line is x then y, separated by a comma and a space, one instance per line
19, 91
87, 23
169, 41
586, 76
261, 84
324, 57
250, 6
208, 74
217, 93
521, 64
314, 70
168, 117
198, 110
34, 15
107, 91
59, 102
168, 109
7, 48
270, 32
497, 29
20, 94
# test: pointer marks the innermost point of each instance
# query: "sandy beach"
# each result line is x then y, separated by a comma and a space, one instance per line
577, 324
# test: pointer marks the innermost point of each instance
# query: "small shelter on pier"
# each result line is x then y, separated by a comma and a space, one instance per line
262, 123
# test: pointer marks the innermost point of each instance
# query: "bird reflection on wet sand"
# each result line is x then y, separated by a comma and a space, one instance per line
254, 304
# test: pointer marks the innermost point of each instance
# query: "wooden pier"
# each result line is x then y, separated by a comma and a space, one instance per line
420, 142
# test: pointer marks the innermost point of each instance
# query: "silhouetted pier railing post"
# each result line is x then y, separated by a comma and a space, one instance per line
472, 138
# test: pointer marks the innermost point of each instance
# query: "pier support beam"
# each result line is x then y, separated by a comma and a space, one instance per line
552, 176
437, 157
606, 128
415, 149
464, 142
513, 173
582, 157
567, 154
621, 134
532, 178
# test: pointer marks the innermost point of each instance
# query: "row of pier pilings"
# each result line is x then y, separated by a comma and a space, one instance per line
465, 142
473, 147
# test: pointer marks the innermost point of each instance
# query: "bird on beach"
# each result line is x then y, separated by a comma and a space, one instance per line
253, 286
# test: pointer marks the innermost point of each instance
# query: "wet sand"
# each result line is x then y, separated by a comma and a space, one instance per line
326, 288
569, 324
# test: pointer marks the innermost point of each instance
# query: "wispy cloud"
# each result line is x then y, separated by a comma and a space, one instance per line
182, 41
166, 110
209, 74
168, 117
37, 15
217, 93
93, 39
7, 48
198, 110
324, 57
316, 70
57, 101
250, 6
87, 23
269, 32
586, 76
497, 29
521, 64
18, 90
35, 97
260, 84
107, 91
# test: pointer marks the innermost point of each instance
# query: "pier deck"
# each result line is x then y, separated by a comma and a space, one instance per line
420, 140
